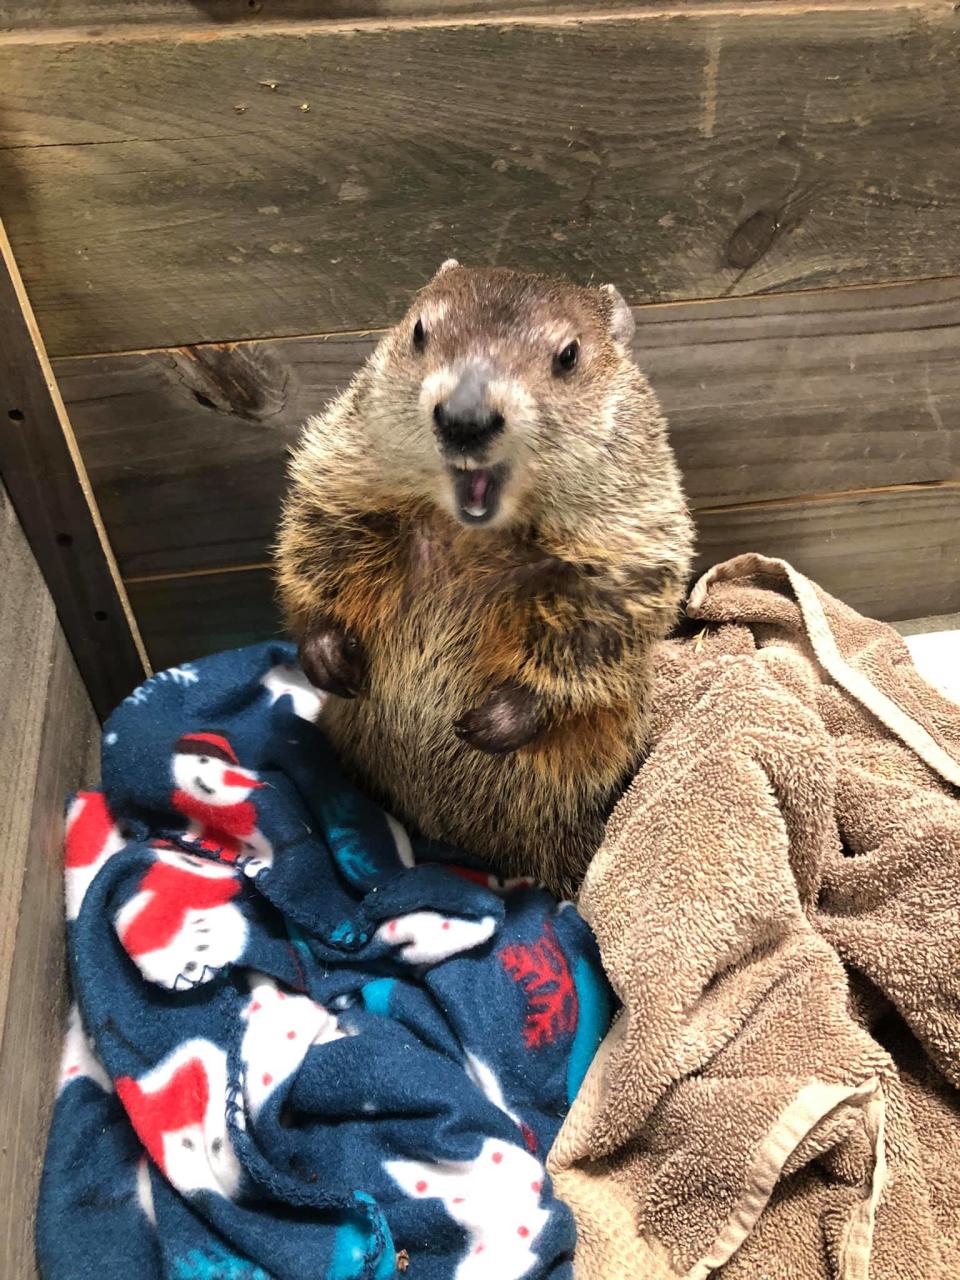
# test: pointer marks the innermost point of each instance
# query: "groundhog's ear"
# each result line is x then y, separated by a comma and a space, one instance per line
446, 266
619, 315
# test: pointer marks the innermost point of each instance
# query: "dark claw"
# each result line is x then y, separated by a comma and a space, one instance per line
333, 659
509, 719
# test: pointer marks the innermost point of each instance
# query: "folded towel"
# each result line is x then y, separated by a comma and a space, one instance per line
305, 1045
777, 903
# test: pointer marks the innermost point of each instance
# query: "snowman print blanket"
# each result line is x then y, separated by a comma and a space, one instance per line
306, 1044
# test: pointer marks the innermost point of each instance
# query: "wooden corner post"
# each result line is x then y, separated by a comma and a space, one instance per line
48, 485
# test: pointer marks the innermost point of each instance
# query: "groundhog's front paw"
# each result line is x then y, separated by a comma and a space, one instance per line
333, 659
509, 719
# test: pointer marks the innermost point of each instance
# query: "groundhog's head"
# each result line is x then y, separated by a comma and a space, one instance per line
496, 387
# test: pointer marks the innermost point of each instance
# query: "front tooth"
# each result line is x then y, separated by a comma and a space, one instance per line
475, 511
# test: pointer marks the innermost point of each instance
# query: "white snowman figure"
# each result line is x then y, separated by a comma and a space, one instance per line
214, 793
496, 1198
179, 1113
183, 926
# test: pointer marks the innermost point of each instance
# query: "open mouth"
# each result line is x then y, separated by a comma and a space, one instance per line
478, 491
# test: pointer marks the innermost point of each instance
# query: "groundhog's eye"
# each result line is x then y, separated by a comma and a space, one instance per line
419, 336
565, 361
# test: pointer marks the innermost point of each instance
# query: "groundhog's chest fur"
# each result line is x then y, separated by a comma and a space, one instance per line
442, 614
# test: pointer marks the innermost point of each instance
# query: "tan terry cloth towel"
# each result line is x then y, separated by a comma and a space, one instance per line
777, 903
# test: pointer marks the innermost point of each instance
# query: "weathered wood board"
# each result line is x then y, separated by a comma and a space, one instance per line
97, 15
186, 617
47, 484
27, 629
47, 749
771, 397
890, 554
159, 192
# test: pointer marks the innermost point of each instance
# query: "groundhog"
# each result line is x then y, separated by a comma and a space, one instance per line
484, 537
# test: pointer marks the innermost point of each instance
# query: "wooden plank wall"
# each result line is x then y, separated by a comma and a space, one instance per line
46, 481
48, 748
97, 15
216, 206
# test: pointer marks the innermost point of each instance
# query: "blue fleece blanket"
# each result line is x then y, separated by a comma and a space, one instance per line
305, 1044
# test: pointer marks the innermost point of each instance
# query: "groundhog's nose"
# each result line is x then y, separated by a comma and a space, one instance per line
465, 421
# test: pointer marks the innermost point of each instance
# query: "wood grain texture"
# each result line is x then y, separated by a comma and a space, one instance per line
188, 464
187, 617
890, 554
770, 397
98, 15
27, 628
47, 484
46, 750
926, 626
158, 194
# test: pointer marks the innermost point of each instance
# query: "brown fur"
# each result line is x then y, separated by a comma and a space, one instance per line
558, 601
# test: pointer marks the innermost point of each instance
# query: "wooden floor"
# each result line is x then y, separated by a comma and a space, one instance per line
48, 748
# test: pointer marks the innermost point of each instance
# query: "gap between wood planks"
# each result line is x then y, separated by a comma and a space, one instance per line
309, 27
639, 309
803, 499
